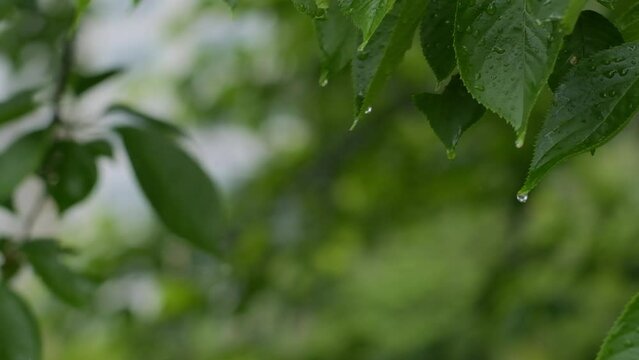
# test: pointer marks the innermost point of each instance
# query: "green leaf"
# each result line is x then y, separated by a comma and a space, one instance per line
506, 50
17, 105
308, 7
625, 14
607, 3
436, 37
451, 113
338, 42
592, 34
19, 334
81, 83
70, 173
146, 121
100, 148
20, 159
71, 287
181, 193
622, 342
373, 65
367, 14
598, 98
231, 3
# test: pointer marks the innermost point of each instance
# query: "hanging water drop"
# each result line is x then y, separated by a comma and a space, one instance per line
451, 154
522, 197
323, 80
368, 110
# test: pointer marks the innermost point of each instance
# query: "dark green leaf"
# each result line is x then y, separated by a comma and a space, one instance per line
181, 193
622, 342
338, 42
17, 106
69, 286
598, 98
373, 65
592, 34
368, 14
20, 159
506, 50
81, 83
451, 113
70, 173
147, 121
437, 37
19, 334
100, 148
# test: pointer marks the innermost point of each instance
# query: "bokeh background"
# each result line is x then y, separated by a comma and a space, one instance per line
366, 244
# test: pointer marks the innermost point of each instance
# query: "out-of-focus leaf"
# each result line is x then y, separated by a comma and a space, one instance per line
592, 34
70, 173
338, 42
182, 194
20, 159
81, 83
69, 286
506, 51
19, 334
436, 37
596, 100
367, 14
231, 3
622, 342
147, 121
17, 106
99, 148
373, 65
451, 113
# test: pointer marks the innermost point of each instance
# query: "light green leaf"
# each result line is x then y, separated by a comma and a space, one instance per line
71, 287
19, 334
17, 105
625, 14
437, 37
70, 173
367, 14
181, 193
506, 50
373, 65
338, 42
597, 99
451, 113
592, 34
20, 159
622, 342
145, 120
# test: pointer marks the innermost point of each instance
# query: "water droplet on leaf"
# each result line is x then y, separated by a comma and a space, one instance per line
522, 197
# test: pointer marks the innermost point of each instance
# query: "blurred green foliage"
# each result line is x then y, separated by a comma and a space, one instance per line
367, 244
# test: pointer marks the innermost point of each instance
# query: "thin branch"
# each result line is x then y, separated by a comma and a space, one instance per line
64, 73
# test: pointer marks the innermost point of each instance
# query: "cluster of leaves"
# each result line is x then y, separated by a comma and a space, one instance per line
67, 165
499, 56
496, 55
